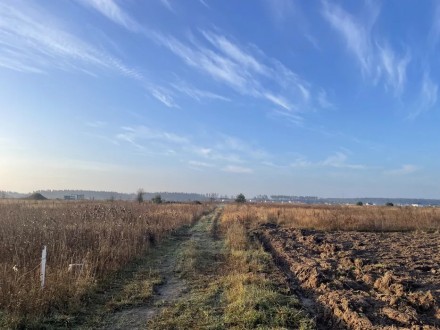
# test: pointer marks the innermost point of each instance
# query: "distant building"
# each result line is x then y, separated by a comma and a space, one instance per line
73, 197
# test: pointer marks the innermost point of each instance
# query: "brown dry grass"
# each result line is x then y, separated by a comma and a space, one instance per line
102, 236
365, 218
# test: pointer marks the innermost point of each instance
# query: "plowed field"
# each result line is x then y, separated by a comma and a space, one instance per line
362, 280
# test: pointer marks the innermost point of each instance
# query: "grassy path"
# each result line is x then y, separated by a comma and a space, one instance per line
200, 261
145, 288
200, 278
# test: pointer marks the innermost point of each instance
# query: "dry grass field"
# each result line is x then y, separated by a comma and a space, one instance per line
118, 265
95, 239
345, 218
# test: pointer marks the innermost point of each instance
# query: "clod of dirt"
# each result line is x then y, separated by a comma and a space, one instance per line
395, 315
358, 263
383, 284
368, 279
423, 301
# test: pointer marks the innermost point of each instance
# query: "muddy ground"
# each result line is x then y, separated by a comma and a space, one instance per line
362, 280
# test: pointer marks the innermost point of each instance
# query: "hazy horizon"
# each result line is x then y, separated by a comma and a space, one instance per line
228, 195
328, 99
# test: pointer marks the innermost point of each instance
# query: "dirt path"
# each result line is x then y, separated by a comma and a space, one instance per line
154, 283
200, 278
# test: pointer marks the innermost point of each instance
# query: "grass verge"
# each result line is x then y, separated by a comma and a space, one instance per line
232, 283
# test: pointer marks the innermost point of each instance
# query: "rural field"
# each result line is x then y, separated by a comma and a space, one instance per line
129, 265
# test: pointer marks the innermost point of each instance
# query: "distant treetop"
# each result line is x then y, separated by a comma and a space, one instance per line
240, 198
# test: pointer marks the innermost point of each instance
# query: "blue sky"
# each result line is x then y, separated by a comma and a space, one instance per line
322, 98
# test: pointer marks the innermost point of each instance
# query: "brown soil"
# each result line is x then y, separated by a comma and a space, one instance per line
362, 280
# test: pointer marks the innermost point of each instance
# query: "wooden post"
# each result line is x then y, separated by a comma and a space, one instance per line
43, 267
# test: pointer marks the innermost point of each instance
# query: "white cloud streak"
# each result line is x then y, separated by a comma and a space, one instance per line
140, 134
237, 169
34, 42
227, 150
339, 160
167, 5
232, 65
111, 10
249, 74
376, 61
357, 36
323, 100
197, 94
199, 164
434, 33
394, 68
163, 95
403, 170
428, 97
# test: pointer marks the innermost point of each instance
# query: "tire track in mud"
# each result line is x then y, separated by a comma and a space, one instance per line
360, 280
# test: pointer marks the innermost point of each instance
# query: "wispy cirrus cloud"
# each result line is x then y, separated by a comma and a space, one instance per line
403, 170
197, 94
281, 10
284, 12
162, 95
394, 68
225, 152
199, 164
429, 92
288, 116
356, 35
376, 59
247, 70
96, 124
138, 135
434, 33
237, 169
167, 5
242, 71
301, 162
204, 3
111, 10
167, 96
339, 160
249, 151
323, 100
35, 42
427, 99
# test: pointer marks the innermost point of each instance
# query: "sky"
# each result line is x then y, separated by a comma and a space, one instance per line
320, 98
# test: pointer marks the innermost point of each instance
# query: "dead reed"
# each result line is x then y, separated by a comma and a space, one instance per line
95, 239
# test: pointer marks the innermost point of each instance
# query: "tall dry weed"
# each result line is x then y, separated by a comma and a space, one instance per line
98, 238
